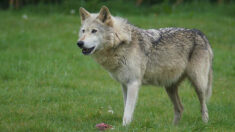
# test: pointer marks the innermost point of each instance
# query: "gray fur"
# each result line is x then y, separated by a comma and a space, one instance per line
164, 57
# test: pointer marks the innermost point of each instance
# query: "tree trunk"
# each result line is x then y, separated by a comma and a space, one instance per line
139, 2
11, 4
220, 1
17, 4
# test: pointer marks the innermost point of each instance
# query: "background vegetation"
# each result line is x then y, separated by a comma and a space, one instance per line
46, 84
122, 6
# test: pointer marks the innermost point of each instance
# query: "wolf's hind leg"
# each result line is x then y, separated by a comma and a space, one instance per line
200, 88
172, 92
198, 75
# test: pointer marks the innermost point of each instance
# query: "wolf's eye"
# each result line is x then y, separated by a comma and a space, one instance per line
83, 31
93, 31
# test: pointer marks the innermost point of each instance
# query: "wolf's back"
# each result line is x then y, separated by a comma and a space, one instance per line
181, 41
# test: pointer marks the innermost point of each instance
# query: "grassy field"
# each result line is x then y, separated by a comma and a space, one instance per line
46, 84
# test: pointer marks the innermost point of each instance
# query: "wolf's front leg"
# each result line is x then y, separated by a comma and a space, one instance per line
132, 94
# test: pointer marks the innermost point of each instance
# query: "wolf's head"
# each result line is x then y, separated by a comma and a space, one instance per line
97, 31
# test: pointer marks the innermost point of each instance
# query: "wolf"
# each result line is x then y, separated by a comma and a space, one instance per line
134, 57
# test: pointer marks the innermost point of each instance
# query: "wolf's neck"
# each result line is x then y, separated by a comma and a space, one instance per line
110, 59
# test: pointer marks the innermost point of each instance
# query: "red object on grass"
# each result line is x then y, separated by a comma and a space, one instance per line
103, 126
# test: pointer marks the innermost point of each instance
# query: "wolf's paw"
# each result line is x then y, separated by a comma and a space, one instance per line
177, 118
205, 117
126, 121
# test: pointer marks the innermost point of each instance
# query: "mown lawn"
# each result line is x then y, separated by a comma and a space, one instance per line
46, 84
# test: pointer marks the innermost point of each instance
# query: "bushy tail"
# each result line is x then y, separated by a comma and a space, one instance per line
210, 77
209, 85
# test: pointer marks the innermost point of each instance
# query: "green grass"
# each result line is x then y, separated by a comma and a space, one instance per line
46, 84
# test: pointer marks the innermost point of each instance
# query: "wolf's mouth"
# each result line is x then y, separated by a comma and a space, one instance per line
87, 51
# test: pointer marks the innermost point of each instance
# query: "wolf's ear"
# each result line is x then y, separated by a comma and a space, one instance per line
105, 16
84, 14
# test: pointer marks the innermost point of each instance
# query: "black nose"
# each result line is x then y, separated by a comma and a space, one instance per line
80, 44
